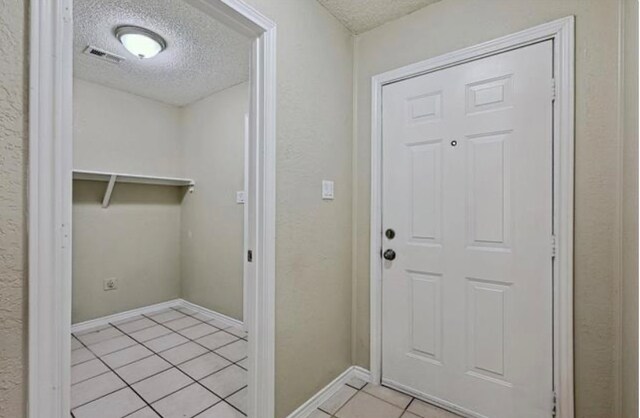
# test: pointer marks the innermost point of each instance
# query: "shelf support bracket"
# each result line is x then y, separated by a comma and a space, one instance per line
107, 195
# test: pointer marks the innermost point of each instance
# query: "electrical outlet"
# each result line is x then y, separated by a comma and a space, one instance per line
110, 284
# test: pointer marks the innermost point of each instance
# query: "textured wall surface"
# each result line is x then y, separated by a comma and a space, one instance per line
137, 238
452, 24
313, 249
212, 243
118, 131
629, 300
13, 186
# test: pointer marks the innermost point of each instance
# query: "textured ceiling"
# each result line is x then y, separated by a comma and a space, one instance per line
202, 56
361, 15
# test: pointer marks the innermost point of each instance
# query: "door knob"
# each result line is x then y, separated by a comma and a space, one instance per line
389, 255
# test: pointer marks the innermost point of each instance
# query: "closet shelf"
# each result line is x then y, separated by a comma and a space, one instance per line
113, 178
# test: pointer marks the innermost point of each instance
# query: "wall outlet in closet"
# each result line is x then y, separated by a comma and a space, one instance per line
110, 284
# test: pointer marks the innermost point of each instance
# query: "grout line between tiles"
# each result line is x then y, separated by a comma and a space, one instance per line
175, 366
120, 377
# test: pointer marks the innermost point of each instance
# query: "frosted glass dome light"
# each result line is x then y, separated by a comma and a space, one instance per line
141, 42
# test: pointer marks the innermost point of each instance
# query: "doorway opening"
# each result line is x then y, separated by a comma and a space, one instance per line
170, 260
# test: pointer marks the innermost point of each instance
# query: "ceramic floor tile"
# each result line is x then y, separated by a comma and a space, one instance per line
235, 351
87, 370
239, 400
187, 402
142, 369
109, 346
136, 325
126, 356
226, 381
237, 331
94, 388
102, 334
356, 382
216, 340
144, 413
81, 355
363, 405
181, 323
426, 410
204, 365
203, 317
341, 397
218, 323
75, 343
166, 342
166, 315
221, 410
115, 405
409, 415
244, 364
182, 353
127, 320
162, 384
186, 311
198, 331
319, 414
150, 333
389, 395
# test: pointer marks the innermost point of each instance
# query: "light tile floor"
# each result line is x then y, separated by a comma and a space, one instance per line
172, 363
357, 399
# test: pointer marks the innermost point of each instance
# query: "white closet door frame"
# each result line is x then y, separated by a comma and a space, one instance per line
561, 31
50, 203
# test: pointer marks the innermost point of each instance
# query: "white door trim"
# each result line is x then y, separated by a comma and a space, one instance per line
562, 33
50, 203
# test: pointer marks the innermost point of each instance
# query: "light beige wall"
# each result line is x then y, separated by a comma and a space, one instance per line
137, 238
629, 301
118, 131
212, 133
13, 219
313, 249
452, 24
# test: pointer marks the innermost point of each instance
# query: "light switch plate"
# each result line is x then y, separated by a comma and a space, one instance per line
327, 189
240, 197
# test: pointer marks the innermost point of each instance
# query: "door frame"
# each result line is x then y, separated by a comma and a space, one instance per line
561, 32
50, 203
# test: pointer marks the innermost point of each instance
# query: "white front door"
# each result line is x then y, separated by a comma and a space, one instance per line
467, 189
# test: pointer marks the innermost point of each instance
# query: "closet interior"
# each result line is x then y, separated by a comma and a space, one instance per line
160, 99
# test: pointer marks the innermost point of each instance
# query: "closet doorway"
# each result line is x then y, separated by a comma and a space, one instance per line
159, 302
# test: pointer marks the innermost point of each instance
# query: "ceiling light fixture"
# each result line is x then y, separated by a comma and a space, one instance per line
141, 42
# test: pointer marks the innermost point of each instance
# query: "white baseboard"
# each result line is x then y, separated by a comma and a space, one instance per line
83, 326
224, 318
328, 391
175, 303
